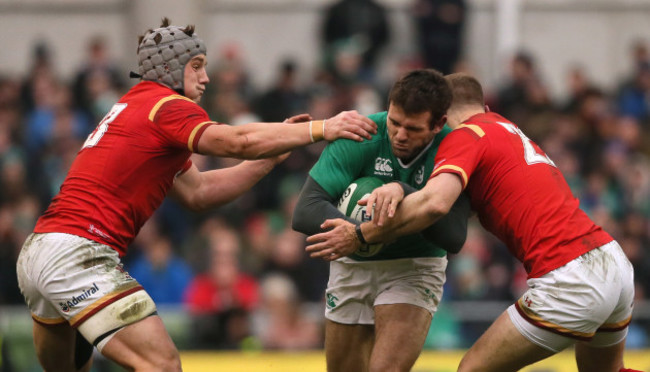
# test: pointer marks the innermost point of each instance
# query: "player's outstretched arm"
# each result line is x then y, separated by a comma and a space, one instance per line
262, 140
203, 190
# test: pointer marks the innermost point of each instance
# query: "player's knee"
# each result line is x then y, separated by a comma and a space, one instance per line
389, 365
54, 362
467, 365
171, 362
388, 368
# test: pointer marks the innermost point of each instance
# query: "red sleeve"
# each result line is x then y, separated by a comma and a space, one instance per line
459, 153
182, 122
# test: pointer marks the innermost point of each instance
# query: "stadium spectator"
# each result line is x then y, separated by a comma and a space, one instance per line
222, 298
353, 34
98, 83
439, 25
162, 273
284, 323
523, 93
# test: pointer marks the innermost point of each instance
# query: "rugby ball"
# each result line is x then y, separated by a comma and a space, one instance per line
347, 205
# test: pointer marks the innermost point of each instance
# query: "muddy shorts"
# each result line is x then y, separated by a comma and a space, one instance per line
67, 278
588, 300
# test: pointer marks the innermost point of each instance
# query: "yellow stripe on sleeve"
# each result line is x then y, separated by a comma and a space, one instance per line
190, 141
455, 168
474, 128
156, 107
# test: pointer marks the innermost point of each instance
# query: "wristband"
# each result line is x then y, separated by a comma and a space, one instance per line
311, 136
316, 133
357, 230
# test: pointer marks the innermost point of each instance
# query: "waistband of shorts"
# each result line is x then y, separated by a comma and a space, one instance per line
430, 260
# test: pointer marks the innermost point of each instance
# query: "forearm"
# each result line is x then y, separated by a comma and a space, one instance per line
221, 186
209, 189
314, 206
416, 212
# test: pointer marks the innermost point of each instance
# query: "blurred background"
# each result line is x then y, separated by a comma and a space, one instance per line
573, 74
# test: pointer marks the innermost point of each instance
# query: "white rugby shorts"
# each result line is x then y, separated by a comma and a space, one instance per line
589, 300
356, 287
67, 278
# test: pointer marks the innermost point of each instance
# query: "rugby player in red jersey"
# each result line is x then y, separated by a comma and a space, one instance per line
581, 284
69, 269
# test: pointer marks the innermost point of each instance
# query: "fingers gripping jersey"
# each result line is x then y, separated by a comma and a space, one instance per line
518, 192
126, 166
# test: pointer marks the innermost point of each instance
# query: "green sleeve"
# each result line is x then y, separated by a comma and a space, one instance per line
343, 161
338, 165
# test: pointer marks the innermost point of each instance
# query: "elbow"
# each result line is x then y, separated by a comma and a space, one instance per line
238, 148
244, 147
195, 205
455, 245
235, 145
296, 222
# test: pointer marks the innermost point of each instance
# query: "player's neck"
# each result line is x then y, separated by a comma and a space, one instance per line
456, 117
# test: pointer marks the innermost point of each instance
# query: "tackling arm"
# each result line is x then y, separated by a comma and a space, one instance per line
201, 190
418, 210
450, 231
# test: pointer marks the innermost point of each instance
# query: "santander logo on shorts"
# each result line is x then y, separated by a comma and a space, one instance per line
66, 306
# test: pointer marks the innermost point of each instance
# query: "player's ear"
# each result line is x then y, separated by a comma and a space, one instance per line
437, 127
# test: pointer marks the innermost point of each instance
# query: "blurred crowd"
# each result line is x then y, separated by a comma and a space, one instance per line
240, 271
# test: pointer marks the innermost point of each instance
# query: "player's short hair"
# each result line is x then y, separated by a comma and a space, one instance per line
466, 90
164, 52
422, 90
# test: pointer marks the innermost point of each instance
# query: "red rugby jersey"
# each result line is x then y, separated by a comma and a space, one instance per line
518, 193
126, 166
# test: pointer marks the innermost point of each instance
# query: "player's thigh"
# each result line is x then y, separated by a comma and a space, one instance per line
144, 345
599, 359
347, 346
501, 349
400, 331
55, 346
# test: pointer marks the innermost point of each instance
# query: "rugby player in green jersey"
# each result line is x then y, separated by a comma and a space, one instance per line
379, 308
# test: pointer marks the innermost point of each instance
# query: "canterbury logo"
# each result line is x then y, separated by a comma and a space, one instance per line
383, 165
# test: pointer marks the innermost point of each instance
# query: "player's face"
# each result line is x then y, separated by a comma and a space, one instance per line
196, 77
408, 134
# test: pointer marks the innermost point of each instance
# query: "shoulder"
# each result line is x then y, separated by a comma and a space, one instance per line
175, 104
379, 118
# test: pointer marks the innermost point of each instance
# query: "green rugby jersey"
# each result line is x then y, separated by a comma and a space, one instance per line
344, 161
